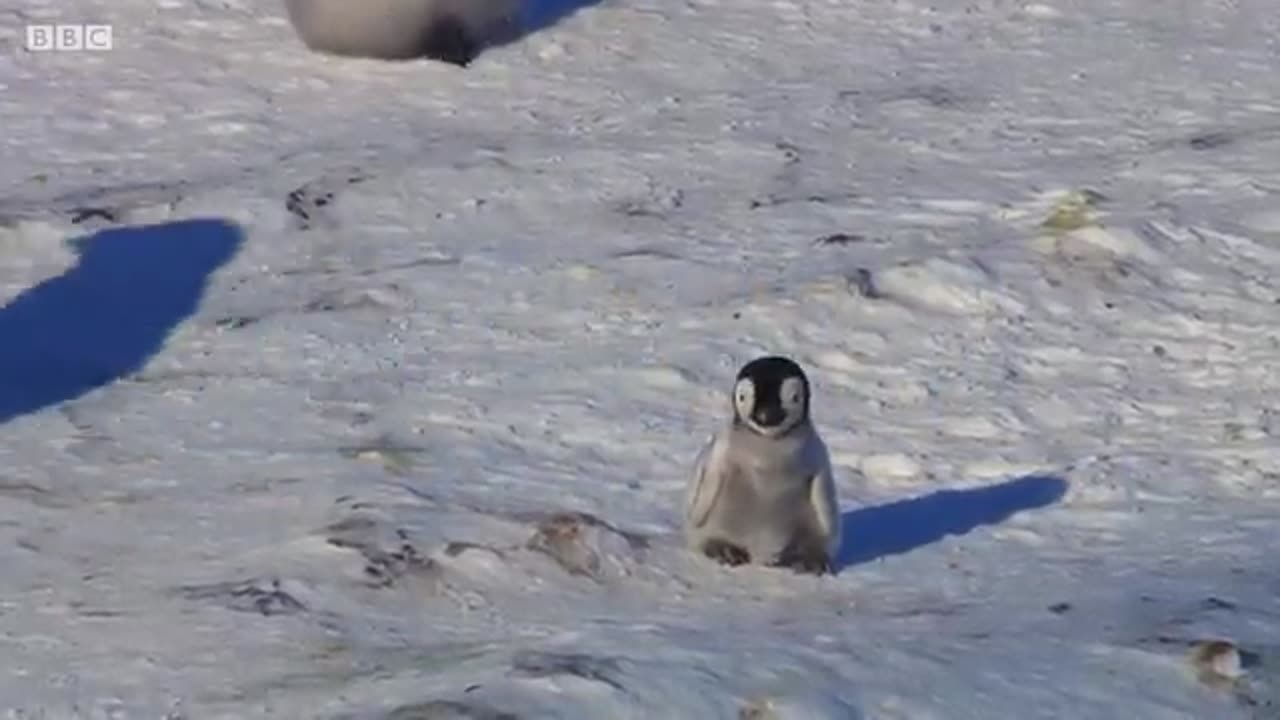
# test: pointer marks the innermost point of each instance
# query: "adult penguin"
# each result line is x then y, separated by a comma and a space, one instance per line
452, 31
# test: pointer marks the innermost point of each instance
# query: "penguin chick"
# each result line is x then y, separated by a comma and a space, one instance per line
452, 31
762, 489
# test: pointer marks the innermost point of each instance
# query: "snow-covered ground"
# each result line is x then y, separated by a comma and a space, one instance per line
337, 389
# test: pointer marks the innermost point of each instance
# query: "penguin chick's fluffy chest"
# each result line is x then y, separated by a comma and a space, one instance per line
775, 462
768, 484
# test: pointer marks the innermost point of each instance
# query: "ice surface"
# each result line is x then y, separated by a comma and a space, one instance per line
342, 389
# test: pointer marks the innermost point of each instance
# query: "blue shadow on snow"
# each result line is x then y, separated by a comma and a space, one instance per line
104, 318
876, 532
541, 14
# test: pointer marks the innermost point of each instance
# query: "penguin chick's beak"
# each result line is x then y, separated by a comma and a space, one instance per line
768, 417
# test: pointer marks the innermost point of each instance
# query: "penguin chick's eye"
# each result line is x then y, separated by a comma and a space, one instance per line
792, 393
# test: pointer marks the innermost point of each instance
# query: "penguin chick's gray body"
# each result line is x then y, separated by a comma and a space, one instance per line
762, 489
452, 31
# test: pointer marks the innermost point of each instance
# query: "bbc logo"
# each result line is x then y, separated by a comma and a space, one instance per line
66, 38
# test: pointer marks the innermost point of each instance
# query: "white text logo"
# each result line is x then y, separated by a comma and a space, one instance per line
68, 38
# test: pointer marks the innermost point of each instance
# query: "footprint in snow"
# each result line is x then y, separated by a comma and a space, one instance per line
586, 546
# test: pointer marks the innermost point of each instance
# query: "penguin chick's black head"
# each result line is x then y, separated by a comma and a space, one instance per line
771, 395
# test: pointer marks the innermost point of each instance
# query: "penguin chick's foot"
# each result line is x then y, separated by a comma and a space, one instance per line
726, 553
808, 560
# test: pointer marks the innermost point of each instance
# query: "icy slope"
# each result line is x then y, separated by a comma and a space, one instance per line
411, 443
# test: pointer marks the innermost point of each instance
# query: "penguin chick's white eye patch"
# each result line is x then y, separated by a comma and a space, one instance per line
744, 396
792, 394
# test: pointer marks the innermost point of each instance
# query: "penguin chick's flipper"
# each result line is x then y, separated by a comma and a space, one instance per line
805, 558
726, 553
448, 40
